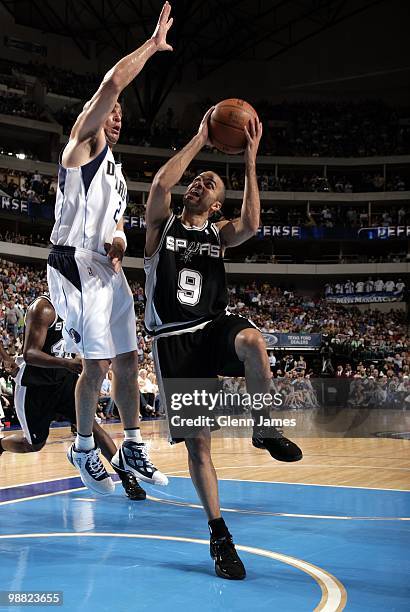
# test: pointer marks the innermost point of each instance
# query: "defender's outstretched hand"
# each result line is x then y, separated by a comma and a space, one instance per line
160, 34
253, 137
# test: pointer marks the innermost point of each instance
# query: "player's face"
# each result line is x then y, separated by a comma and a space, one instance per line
203, 192
112, 125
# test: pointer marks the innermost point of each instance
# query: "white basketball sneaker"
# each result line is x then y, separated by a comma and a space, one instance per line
92, 471
133, 457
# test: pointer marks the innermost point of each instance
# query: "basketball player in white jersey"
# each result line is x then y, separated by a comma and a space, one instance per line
87, 285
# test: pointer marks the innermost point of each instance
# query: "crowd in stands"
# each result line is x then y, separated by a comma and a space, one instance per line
364, 182
28, 239
352, 331
13, 104
375, 343
35, 187
301, 128
56, 79
333, 129
31, 187
328, 215
292, 180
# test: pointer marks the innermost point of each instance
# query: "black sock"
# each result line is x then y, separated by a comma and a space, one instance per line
1, 448
218, 528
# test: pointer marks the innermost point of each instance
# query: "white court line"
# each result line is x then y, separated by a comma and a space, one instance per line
26, 484
303, 484
309, 465
39, 496
184, 504
334, 594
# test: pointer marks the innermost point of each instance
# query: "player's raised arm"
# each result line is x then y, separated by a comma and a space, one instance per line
87, 135
159, 199
235, 232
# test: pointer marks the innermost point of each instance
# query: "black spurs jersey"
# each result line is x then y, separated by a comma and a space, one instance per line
185, 278
54, 345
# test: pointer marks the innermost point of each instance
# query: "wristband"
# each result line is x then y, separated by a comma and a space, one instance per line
121, 234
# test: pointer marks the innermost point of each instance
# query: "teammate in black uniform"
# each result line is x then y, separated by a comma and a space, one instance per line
45, 382
194, 335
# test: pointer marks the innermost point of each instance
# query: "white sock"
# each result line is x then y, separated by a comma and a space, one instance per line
84, 443
133, 434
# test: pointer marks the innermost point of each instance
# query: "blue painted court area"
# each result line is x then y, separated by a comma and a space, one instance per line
305, 547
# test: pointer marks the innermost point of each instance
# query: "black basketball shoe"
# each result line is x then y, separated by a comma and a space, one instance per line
227, 562
279, 447
132, 487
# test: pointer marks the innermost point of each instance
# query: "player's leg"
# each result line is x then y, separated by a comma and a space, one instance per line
203, 474
250, 349
132, 456
35, 412
125, 389
18, 443
87, 391
185, 356
83, 454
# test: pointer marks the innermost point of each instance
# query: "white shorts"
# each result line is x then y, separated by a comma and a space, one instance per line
94, 301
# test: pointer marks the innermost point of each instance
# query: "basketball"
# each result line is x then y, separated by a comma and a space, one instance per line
226, 125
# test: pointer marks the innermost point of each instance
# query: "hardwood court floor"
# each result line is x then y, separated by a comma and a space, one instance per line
358, 462
306, 547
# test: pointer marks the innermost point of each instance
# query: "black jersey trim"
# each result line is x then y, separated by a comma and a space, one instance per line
62, 175
89, 170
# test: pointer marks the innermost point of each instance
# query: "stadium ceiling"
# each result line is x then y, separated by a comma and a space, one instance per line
207, 34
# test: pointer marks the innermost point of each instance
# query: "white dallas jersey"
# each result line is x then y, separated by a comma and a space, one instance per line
90, 201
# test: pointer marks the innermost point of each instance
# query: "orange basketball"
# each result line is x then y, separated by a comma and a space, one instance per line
226, 124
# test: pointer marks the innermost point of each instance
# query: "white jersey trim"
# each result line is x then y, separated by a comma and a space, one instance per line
194, 227
164, 231
20, 400
179, 332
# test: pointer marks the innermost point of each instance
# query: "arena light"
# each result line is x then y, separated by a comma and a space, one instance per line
21, 155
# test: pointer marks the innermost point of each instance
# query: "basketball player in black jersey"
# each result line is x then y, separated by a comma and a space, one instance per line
45, 382
194, 336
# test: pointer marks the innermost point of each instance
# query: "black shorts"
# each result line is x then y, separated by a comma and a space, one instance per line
37, 406
203, 354
206, 353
